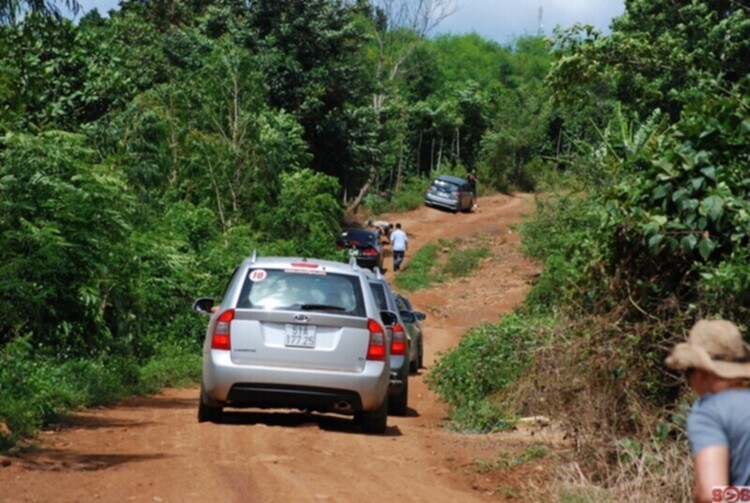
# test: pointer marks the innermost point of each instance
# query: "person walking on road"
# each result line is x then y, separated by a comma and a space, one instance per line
716, 362
399, 243
472, 179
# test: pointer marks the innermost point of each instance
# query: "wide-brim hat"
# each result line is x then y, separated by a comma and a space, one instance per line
716, 346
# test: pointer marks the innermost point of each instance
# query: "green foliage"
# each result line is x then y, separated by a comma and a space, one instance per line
427, 266
462, 261
687, 209
462, 58
38, 389
308, 51
420, 271
307, 213
568, 236
176, 363
408, 196
487, 359
63, 224
512, 149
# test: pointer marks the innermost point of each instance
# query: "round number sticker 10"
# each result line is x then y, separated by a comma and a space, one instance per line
258, 275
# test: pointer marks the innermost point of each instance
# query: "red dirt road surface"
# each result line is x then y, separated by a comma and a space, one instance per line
152, 449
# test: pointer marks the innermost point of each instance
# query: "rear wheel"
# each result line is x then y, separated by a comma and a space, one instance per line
374, 421
399, 404
208, 412
414, 365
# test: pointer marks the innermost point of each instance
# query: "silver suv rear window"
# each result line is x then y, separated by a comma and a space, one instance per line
285, 290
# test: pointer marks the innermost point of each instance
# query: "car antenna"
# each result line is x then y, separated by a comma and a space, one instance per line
378, 274
255, 256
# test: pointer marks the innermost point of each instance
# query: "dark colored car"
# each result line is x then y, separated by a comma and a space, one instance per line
363, 245
413, 323
450, 192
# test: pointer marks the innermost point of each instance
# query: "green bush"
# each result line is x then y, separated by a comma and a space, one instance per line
37, 388
420, 271
462, 261
488, 358
428, 267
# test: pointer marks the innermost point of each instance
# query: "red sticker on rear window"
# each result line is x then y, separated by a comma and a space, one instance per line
258, 275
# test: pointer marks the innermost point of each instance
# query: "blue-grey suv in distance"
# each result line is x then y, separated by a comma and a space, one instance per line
450, 192
297, 333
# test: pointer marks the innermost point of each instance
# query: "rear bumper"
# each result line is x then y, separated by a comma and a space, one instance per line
233, 385
278, 396
445, 202
368, 262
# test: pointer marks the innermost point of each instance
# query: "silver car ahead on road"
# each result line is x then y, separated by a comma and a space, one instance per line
297, 333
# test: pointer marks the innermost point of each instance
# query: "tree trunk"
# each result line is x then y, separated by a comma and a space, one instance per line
440, 154
458, 143
400, 167
419, 152
354, 207
432, 156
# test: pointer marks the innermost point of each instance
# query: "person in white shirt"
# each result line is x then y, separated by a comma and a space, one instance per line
399, 243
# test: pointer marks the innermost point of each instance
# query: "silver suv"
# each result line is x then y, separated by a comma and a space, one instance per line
297, 333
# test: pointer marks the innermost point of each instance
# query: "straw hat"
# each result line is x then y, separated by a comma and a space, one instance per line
716, 346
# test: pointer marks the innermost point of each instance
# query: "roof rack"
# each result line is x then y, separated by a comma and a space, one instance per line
378, 273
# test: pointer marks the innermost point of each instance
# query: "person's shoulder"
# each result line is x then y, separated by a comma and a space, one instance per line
731, 399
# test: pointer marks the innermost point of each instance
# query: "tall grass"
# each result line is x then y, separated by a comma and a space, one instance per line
658, 471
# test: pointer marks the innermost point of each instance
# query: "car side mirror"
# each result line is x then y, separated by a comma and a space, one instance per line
204, 305
389, 318
408, 317
420, 316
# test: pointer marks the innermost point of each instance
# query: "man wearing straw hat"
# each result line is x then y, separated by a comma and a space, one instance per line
716, 362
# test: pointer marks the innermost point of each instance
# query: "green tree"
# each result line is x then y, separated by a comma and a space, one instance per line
64, 223
308, 52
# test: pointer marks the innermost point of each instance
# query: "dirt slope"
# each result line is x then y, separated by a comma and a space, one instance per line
152, 448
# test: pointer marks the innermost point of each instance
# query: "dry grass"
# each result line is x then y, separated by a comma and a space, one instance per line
592, 377
659, 472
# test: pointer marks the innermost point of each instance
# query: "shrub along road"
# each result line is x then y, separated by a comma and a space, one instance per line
153, 449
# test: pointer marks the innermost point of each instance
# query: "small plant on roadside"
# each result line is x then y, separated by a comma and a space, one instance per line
428, 266
420, 272
488, 358
461, 262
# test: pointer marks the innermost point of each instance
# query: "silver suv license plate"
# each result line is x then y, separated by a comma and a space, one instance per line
299, 336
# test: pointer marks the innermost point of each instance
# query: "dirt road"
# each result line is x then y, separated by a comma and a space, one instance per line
152, 448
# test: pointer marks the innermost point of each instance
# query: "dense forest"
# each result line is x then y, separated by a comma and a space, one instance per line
143, 154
